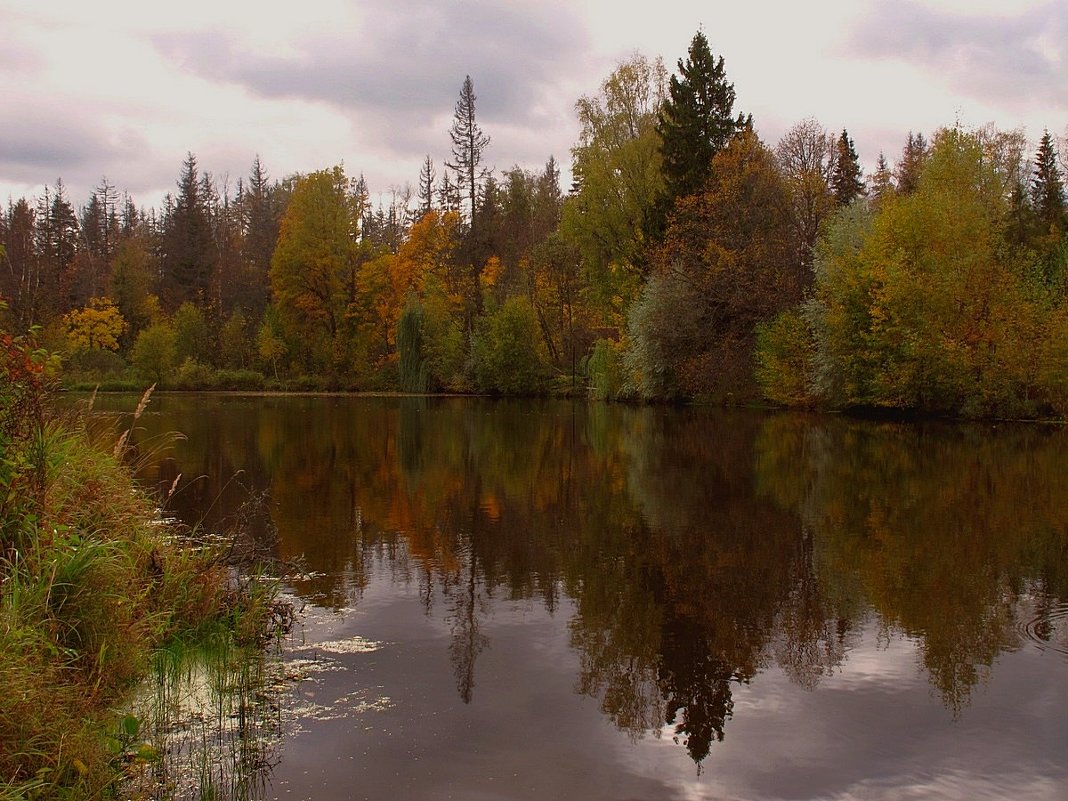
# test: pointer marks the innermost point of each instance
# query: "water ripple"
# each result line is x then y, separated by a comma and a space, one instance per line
1048, 630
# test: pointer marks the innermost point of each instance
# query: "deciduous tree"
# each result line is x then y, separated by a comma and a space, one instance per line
733, 247
155, 352
807, 157
618, 178
923, 306
314, 265
97, 326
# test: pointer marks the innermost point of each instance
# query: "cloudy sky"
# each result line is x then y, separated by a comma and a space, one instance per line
125, 89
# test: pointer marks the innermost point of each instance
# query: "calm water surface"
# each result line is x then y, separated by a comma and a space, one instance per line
546, 600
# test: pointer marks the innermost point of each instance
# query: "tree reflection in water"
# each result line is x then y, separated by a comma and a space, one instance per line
698, 547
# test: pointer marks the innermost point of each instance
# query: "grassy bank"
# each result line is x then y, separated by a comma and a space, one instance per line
92, 584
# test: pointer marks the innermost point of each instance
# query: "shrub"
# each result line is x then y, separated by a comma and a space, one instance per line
784, 352
605, 370
250, 380
194, 375
508, 351
155, 352
412, 366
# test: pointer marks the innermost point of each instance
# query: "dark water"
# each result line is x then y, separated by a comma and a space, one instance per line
529, 600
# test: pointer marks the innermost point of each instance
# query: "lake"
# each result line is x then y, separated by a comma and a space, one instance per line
555, 600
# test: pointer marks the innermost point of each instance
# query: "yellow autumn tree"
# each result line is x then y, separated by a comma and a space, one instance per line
313, 267
97, 326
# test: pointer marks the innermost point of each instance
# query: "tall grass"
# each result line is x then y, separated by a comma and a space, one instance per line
90, 589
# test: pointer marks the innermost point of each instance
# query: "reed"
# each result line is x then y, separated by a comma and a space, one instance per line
90, 590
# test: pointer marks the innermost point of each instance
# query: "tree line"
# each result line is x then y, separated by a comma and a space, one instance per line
688, 259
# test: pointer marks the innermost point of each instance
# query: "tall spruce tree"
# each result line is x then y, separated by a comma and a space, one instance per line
261, 214
913, 157
190, 251
846, 181
468, 145
695, 121
882, 180
1047, 189
426, 187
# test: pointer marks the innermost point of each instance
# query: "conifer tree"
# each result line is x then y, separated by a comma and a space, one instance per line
426, 187
913, 157
695, 121
846, 181
261, 213
190, 251
882, 180
468, 145
1047, 190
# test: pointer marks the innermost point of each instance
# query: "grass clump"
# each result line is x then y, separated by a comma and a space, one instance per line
92, 584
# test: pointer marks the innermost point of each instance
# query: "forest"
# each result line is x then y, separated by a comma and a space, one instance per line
688, 260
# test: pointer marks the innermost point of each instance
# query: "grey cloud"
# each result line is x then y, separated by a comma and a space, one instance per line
48, 144
992, 57
405, 68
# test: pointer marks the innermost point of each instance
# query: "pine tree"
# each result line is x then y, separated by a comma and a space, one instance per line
20, 276
913, 157
57, 245
426, 187
846, 181
882, 180
448, 194
261, 214
1047, 190
190, 251
468, 145
696, 121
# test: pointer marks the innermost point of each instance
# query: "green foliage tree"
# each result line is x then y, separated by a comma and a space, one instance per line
784, 352
508, 352
192, 335
556, 288
132, 283
260, 207
155, 352
617, 180
666, 336
314, 266
921, 306
235, 348
426, 187
913, 158
882, 181
1047, 189
270, 340
55, 246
